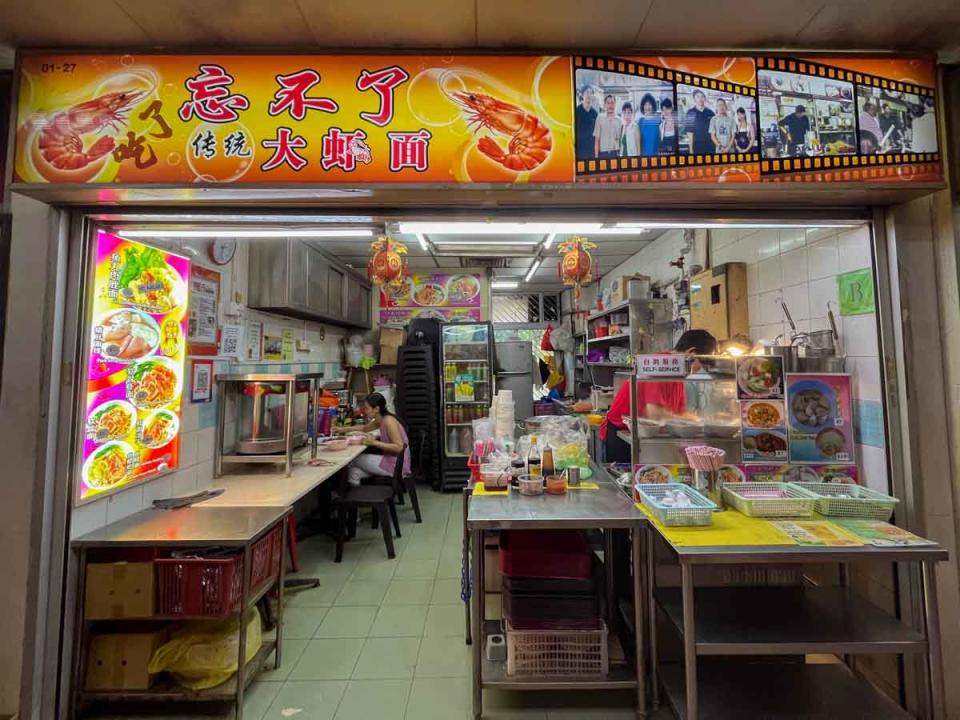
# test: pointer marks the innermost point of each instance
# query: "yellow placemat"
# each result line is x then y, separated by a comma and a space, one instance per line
481, 489
584, 486
729, 528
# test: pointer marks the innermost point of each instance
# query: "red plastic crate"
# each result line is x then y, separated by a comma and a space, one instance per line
545, 554
199, 587
265, 557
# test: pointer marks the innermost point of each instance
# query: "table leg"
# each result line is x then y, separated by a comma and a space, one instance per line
465, 562
80, 637
242, 644
652, 616
689, 642
931, 616
280, 595
638, 635
611, 600
476, 537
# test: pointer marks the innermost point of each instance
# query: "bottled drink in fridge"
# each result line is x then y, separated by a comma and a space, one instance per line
453, 442
534, 467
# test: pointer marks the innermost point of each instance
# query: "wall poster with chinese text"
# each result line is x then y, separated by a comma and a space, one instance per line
135, 366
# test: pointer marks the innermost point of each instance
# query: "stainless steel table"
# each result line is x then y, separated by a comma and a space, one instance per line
605, 508
191, 527
731, 621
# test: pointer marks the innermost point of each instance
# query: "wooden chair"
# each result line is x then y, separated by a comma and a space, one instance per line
348, 500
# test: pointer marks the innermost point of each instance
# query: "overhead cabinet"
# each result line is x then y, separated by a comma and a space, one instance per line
297, 279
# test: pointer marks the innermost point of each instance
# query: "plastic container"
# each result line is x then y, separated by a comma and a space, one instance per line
769, 499
530, 485
853, 501
334, 445
545, 554
652, 497
556, 484
557, 653
495, 476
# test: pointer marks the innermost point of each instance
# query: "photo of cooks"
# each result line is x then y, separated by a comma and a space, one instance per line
715, 122
895, 122
804, 116
619, 115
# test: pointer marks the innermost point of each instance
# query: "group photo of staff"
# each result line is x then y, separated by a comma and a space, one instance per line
712, 121
619, 115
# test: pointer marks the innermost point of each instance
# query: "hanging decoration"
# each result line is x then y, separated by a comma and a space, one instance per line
576, 265
388, 268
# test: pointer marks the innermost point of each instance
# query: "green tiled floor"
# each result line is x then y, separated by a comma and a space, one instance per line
382, 639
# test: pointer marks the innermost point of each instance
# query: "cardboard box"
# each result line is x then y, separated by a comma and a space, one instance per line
629, 287
119, 590
119, 661
391, 337
389, 354
718, 301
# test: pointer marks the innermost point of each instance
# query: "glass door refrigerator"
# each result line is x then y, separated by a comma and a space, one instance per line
467, 387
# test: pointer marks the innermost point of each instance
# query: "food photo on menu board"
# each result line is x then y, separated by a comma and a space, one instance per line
760, 377
820, 418
135, 366
784, 472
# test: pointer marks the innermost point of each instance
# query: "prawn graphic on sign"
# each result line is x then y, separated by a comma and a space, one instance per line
528, 140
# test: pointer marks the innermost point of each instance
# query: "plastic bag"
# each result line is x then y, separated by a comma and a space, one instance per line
204, 654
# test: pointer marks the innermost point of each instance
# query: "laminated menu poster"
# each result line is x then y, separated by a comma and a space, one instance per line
442, 296
820, 418
764, 435
816, 532
760, 377
663, 474
881, 534
135, 368
783, 472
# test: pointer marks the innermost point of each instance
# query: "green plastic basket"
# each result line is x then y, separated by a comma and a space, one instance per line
790, 500
852, 501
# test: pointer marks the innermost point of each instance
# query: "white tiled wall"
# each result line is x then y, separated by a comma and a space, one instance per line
197, 424
800, 265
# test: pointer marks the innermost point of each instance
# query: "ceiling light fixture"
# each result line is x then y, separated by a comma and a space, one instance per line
423, 242
479, 243
504, 285
241, 233
549, 241
533, 269
737, 225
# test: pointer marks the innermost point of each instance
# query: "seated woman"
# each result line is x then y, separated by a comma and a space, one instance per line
654, 399
393, 437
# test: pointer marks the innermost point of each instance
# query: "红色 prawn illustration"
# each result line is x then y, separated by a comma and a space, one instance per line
530, 142
60, 140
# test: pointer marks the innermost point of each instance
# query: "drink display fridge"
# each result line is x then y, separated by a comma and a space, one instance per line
467, 387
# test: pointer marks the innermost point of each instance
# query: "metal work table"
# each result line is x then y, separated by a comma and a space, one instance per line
669, 450
606, 509
238, 528
733, 621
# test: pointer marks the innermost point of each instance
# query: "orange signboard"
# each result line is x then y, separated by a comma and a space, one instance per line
294, 119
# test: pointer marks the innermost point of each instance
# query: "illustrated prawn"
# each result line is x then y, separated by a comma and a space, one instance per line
60, 139
530, 140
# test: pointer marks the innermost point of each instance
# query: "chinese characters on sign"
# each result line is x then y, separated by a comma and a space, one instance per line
671, 365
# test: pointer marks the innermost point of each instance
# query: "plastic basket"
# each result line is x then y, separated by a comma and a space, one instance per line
652, 495
265, 556
199, 587
557, 653
854, 501
769, 499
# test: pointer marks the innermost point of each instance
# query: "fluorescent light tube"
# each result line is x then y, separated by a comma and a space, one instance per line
423, 242
504, 285
533, 269
549, 241
481, 243
346, 233
737, 225
496, 228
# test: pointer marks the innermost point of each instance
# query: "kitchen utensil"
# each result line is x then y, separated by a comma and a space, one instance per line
833, 326
787, 352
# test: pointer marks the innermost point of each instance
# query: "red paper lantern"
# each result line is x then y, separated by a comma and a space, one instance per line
387, 268
576, 265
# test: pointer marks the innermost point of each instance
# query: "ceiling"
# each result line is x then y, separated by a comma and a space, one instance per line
931, 25
611, 250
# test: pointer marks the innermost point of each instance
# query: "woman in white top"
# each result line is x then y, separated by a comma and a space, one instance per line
630, 139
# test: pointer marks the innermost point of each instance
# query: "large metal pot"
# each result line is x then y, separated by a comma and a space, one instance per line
262, 414
822, 364
787, 352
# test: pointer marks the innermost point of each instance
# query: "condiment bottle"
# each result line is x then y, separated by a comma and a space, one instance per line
534, 467
547, 462
516, 470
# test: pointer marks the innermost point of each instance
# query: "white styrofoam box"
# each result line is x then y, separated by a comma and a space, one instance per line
816, 234
874, 468
770, 275
770, 311
823, 291
859, 335
125, 502
723, 238
767, 243
87, 518
822, 258
206, 444
867, 384
792, 238
188, 448
854, 249
184, 482
753, 279
797, 299
157, 489
794, 264
753, 309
